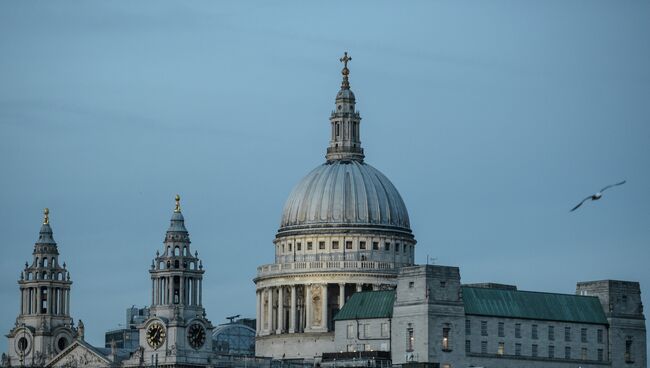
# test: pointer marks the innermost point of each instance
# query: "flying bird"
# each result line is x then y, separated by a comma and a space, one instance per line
597, 196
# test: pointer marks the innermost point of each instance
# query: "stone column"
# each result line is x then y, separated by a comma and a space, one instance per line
324, 307
269, 314
258, 312
280, 317
292, 312
341, 295
200, 291
67, 302
38, 300
307, 307
181, 290
359, 287
153, 291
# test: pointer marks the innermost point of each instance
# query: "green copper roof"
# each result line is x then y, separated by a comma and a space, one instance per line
533, 305
368, 304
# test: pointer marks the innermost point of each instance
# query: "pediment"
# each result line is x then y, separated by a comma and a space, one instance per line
79, 354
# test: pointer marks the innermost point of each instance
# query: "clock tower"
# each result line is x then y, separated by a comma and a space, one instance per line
177, 332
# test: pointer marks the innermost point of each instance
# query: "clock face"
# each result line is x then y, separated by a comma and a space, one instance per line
196, 335
155, 335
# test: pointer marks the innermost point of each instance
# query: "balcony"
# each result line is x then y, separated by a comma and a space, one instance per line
325, 266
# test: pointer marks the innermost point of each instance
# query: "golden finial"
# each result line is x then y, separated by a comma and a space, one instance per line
178, 204
46, 216
345, 71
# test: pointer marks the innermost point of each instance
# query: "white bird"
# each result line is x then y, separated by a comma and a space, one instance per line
597, 196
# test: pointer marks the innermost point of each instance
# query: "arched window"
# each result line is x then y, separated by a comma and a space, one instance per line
177, 251
176, 264
53, 262
44, 262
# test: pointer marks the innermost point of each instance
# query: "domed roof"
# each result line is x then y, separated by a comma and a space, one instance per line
345, 194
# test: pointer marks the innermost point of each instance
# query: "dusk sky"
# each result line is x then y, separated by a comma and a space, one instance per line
492, 119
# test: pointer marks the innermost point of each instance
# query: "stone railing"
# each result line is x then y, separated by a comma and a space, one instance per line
316, 266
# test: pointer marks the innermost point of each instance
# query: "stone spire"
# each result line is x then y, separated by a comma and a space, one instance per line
345, 141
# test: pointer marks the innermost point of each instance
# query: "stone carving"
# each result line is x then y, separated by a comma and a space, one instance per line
80, 330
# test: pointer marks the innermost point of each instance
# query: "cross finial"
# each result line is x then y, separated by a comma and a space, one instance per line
345, 84
46, 216
178, 204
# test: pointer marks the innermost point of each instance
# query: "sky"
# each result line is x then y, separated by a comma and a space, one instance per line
493, 119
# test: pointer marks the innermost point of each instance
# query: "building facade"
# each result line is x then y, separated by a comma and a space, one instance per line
435, 320
344, 229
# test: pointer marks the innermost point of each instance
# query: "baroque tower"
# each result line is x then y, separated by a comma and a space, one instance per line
44, 327
177, 332
344, 229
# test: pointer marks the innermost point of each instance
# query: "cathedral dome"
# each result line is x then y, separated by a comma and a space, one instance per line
345, 194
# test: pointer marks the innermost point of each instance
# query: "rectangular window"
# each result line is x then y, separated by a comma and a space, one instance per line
411, 284
309, 245
350, 331
468, 346
518, 330
289, 247
551, 333
445, 339
365, 330
599, 336
443, 284
335, 244
551, 351
501, 329
484, 328
387, 246
583, 354
534, 350
483, 347
567, 334
628, 350
351, 348
348, 245
375, 245
583, 335
406, 248
600, 355
299, 246
533, 332
362, 245
321, 245
567, 352
501, 348
468, 327
410, 339
517, 349
384, 330
396, 247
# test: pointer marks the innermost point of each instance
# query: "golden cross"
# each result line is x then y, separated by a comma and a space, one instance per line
345, 59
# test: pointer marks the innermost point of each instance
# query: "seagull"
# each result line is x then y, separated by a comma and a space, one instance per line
596, 196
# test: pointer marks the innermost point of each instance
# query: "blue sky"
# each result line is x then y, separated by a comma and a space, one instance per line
492, 119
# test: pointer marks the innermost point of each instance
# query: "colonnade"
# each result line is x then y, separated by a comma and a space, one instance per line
176, 290
302, 308
45, 300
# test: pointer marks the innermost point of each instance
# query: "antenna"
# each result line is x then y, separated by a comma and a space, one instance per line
232, 318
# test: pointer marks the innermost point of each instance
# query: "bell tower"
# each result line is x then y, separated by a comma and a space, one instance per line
44, 326
177, 332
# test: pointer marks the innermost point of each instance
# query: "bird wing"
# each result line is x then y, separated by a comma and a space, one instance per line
612, 185
579, 204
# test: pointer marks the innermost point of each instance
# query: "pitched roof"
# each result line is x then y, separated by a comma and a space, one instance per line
533, 305
368, 304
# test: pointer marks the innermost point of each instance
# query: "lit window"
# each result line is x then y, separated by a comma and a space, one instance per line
501, 348
445, 339
410, 339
